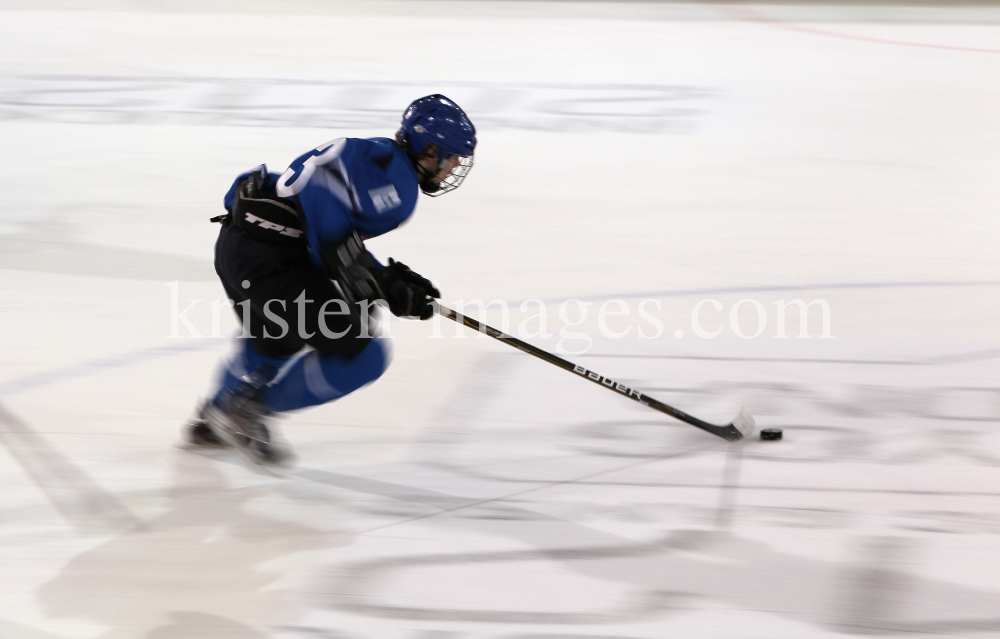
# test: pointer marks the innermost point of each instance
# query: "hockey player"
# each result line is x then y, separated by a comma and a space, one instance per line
291, 257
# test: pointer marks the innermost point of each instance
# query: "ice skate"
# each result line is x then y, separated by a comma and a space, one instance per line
198, 434
237, 419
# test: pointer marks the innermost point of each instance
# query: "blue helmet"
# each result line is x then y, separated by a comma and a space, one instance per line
436, 128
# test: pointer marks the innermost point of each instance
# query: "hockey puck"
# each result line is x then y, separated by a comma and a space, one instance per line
772, 434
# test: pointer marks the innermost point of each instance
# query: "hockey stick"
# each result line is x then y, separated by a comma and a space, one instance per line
741, 426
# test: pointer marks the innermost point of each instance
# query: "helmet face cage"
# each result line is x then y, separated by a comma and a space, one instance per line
439, 183
435, 127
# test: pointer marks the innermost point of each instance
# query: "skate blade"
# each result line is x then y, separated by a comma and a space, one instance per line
273, 457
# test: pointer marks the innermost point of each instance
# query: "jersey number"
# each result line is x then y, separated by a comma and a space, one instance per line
297, 175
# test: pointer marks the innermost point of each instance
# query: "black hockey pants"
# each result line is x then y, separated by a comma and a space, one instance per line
271, 277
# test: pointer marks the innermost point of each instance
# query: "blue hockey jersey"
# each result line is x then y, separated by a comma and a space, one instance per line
348, 184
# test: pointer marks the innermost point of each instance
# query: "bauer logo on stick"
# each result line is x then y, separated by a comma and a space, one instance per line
740, 427
610, 383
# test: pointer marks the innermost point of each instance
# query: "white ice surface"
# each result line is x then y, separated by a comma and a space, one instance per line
671, 152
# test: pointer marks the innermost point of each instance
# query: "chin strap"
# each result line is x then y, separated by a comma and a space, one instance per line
424, 177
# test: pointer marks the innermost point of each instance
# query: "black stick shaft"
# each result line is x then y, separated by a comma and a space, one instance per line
728, 432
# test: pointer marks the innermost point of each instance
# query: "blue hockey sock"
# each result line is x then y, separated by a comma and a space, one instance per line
244, 363
316, 379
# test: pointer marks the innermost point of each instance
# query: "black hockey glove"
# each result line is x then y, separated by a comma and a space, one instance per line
353, 268
408, 294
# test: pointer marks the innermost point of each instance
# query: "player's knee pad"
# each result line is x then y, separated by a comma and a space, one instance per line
369, 364
329, 377
315, 378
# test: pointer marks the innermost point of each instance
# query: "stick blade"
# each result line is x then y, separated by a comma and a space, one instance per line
744, 423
